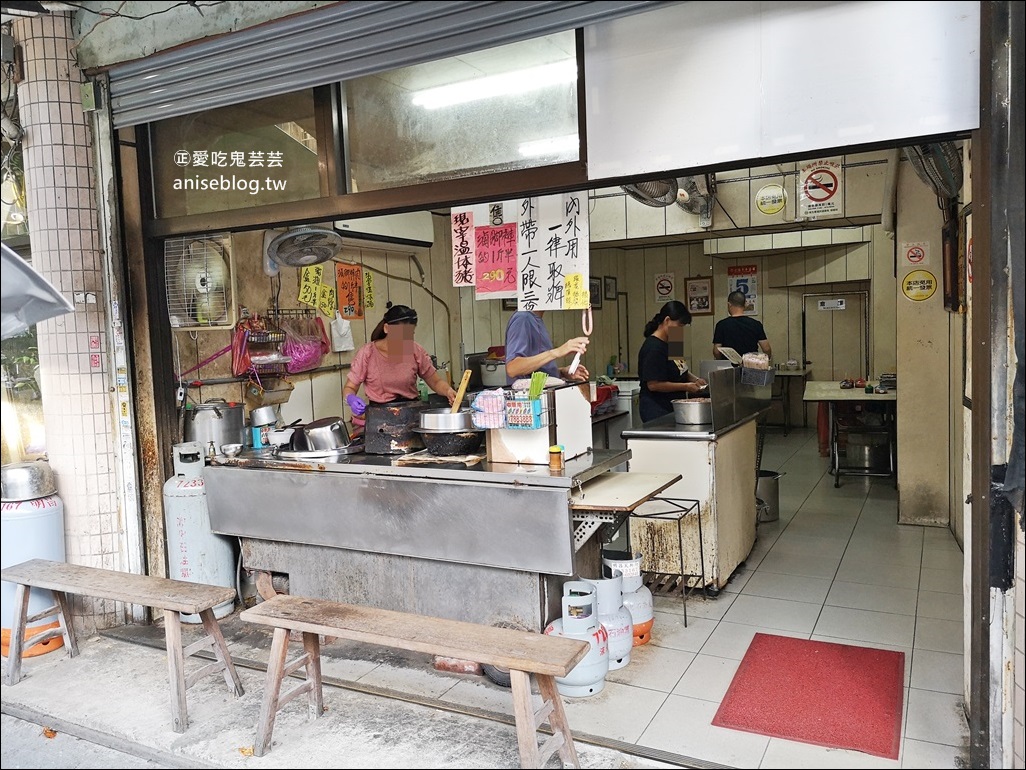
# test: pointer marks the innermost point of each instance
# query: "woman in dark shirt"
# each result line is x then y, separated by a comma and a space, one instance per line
663, 379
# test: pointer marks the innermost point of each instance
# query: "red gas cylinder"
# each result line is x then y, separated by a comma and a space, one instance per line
823, 428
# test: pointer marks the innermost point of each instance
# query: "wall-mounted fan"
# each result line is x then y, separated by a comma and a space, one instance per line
300, 247
199, 276
939, 165
694, 194
657, 193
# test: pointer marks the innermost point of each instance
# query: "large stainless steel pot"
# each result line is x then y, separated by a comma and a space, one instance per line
692, 411
322, 435
27, 481
216, 420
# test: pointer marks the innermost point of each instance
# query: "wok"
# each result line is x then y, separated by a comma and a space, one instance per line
448, 443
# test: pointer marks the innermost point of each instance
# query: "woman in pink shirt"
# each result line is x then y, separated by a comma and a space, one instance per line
388, 365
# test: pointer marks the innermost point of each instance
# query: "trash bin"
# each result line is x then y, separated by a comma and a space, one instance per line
767, 489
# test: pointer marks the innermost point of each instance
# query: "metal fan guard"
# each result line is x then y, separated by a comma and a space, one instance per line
661, 192
301, 248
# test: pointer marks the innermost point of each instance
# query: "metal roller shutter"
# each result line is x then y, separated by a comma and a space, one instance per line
331, 44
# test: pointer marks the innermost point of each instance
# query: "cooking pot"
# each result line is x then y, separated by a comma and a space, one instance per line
27, 481
445, 419
325, 434
446, 443
263, 415
692, 411
216, 420
493, 373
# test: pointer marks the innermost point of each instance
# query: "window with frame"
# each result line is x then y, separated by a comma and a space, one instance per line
502, 109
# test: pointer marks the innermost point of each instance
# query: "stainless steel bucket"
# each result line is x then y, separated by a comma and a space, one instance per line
767, 489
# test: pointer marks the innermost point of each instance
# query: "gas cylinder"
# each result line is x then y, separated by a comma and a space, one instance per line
33, 528
194, 553
615, 617
580, 621
637, 597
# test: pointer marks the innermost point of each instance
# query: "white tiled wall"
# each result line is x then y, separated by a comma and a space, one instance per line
66, 249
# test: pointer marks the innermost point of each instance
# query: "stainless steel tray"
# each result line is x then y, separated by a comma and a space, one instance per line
326, 454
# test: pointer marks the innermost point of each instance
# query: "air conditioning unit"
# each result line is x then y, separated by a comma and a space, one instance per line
413, 228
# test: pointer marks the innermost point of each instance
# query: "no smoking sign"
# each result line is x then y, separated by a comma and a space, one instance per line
915, 253
664, 287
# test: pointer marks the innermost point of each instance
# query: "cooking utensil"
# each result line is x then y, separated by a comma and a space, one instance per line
451, 443
216, 420
231, 450
27, 481
461, 392
586, 327
326, 434
446, 420
263, 415
692, 411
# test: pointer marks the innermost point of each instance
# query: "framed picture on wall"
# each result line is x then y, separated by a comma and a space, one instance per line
609, 287
595, 292
509, 303
699, 294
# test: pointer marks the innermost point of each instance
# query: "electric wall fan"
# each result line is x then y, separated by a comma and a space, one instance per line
300, 247
199, 276
694, 194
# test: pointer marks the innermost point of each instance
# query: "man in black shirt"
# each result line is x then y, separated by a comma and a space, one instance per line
738, 331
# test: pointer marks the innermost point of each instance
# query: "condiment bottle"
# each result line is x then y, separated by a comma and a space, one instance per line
556, 457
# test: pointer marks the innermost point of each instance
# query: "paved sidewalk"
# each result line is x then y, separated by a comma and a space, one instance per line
115, 695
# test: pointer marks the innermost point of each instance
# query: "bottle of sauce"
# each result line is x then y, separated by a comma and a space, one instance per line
556, 457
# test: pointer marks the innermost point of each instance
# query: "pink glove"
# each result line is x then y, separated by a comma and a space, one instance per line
356, 404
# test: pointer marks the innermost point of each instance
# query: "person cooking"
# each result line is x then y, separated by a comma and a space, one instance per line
529, 349
662, 378
738, 331
388, 365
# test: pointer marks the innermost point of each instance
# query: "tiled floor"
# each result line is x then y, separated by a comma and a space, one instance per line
835, 567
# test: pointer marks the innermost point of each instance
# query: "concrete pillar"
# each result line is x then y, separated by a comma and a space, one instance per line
65, 247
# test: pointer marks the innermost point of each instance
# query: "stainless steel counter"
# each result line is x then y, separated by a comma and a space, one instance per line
485, 543
577, 470
666, 427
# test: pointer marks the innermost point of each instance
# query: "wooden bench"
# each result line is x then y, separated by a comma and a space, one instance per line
523, 652
171, 596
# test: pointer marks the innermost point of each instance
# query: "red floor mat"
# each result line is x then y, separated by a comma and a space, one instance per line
834, 695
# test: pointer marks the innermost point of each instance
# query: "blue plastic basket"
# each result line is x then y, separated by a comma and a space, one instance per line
525, 414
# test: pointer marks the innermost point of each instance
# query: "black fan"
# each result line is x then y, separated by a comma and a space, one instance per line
658, 193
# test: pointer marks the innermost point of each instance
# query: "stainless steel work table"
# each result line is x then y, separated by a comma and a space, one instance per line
483, 543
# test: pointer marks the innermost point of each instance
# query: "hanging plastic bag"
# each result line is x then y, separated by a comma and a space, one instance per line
302, 345
341, 334
241, 362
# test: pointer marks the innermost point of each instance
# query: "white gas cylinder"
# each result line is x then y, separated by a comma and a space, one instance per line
580, 621
616, 618
32, 529
194, 553
637, 597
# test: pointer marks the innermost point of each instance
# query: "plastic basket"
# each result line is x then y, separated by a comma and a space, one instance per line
756, 376
525, 414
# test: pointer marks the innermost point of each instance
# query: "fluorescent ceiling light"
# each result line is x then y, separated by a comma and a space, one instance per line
553, 145
509, 83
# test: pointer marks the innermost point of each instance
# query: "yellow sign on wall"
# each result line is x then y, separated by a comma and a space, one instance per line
919, 285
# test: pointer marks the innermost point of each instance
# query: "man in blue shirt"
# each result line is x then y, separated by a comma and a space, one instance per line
529, 349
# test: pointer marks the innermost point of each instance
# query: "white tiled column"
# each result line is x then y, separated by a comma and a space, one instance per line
65, 242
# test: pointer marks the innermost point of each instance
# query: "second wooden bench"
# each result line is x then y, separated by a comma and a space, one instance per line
171, 596
524, 653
